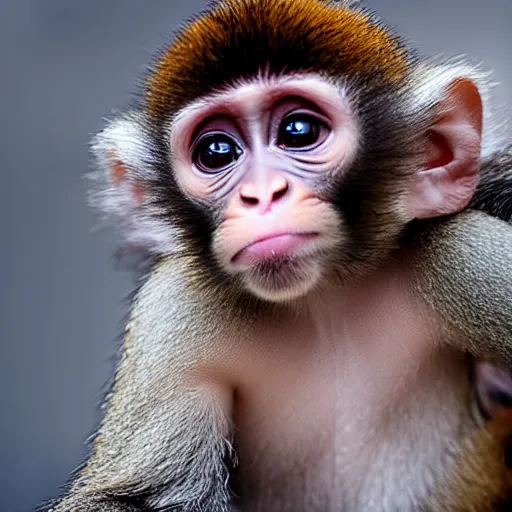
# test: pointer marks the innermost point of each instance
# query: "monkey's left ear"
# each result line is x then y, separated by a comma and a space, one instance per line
122, 183
453, 154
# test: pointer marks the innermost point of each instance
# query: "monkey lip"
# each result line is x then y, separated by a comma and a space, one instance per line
273, 247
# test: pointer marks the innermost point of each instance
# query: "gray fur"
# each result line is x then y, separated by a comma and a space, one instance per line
163, 444
463, 266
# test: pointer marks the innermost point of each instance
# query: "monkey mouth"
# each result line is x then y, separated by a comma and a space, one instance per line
279, 247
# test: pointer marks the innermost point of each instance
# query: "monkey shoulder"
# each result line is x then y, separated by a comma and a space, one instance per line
177, 319
494, 192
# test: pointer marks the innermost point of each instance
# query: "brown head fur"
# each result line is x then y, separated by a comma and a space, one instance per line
235, 38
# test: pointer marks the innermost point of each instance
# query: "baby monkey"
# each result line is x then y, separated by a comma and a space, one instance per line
320, 277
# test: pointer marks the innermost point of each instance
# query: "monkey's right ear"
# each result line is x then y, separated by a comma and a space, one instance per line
122, 184
453, 150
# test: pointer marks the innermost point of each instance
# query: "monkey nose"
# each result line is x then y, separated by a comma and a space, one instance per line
264, 195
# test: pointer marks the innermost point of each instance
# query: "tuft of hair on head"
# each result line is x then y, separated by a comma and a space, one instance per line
235, 38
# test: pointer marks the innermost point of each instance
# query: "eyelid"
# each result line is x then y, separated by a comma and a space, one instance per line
199, 138
221, 121
308, 112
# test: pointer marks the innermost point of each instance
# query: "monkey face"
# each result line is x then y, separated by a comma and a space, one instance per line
262, 158
279, 153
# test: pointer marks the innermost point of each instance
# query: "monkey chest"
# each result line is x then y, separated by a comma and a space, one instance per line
337, 431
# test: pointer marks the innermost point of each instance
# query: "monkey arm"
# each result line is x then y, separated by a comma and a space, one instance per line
165, 438
462, 268
494, 192
463, 265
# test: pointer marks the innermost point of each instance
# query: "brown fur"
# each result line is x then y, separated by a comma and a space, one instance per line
239, 37
482, 481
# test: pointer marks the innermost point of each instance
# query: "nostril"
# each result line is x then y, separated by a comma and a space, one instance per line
271, 193
278, 194
252, 201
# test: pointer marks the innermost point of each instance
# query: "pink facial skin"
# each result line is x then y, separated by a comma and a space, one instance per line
270, 192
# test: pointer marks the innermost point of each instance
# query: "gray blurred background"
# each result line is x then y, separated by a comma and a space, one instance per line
63, 65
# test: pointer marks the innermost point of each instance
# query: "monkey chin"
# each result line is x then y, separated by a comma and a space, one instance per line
282, 279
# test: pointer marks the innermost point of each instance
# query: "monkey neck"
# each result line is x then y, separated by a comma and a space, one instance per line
375, 318
377, 326
370, 307
370, 336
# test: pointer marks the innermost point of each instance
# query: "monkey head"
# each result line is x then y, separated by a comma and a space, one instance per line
282, 144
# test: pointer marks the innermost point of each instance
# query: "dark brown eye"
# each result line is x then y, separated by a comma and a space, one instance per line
299, 131
215, 152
